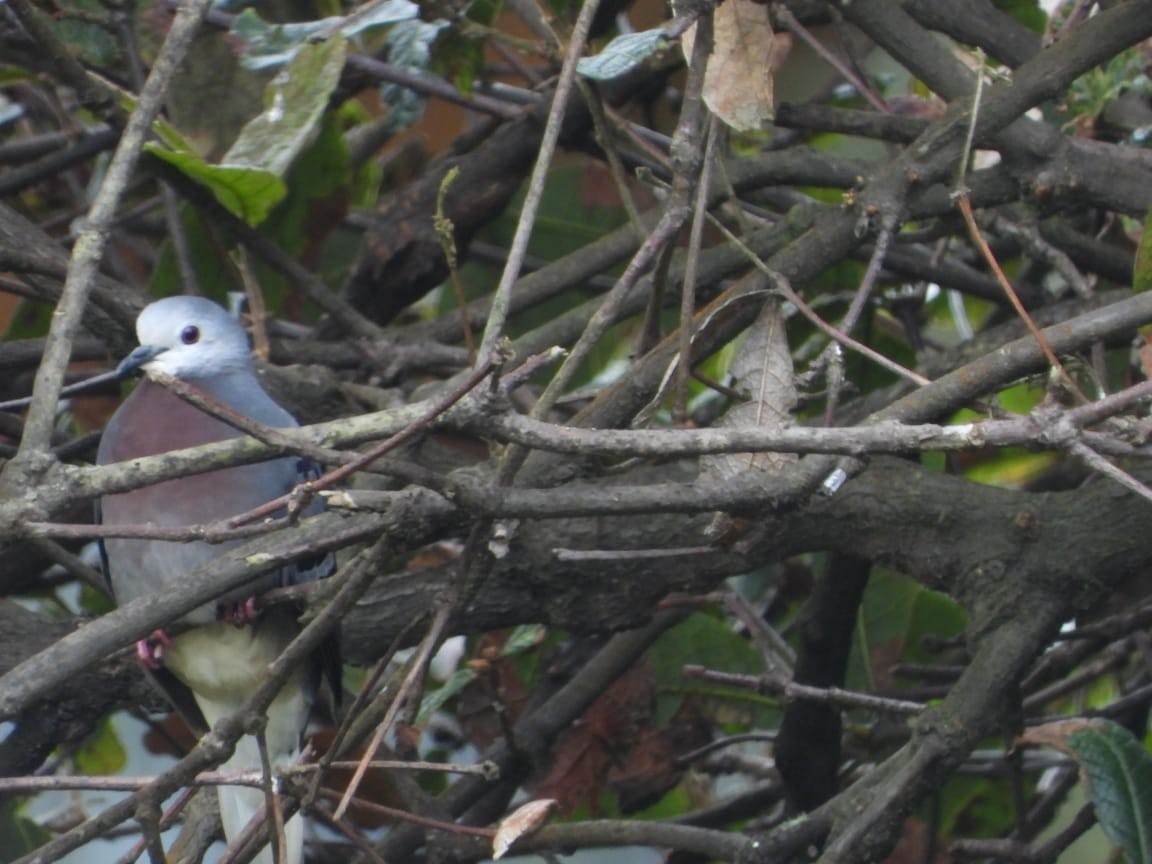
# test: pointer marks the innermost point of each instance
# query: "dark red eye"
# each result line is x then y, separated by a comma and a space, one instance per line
190, 335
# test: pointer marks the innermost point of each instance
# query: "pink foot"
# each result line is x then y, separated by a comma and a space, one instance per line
150, 650
244, 612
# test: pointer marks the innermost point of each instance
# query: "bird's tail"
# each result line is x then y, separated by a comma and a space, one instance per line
240, 804
222, 665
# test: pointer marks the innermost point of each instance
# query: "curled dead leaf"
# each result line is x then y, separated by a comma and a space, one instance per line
739, 81
523, 821
1055, 734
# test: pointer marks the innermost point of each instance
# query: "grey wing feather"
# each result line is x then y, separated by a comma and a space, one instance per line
311, 567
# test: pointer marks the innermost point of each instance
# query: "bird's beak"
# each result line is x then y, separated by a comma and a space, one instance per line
138, 358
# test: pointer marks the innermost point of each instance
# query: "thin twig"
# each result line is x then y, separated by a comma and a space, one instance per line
792, 24
1084, 416
413, 818
418, 667
445, 233
691, 266
785, 287
852, 318
687, 149
351, 834
91, 92
791, 691
267, 250
981, 244
353, 580
90, 244
963, 202
254, 779
410, 431
775, 650
501, 299
126, 33
1098, 463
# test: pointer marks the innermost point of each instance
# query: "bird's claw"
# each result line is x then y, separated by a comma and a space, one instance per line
244, 612
150, 650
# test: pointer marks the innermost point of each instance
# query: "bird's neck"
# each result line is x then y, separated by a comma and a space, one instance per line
240, 390
232, 387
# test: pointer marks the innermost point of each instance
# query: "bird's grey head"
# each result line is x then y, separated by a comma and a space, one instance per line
188, 337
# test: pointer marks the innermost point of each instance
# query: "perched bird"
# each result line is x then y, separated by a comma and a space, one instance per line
224, 657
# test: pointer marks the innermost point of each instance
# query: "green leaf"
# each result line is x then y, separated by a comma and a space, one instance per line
458, 55
409, 46
294, 102
1118, 771
101, 753
319, 175
19, 835
1142, 266
523, 638
85, 39
13, 75
93, 601
435, 700
246, 192
1028, 12
896, 615
215, 270
409, 43
269, 45
966, 801
31, 320
707, 641
622, 54
249, 180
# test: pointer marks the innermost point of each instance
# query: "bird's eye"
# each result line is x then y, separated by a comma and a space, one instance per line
190, 335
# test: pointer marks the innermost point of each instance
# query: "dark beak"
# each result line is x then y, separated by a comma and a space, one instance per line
137, 359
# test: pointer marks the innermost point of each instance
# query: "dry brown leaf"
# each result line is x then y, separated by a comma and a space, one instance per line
1055, 734
589, 748
1145, 353
738, 86
525, 820
762, 368
915, 842
495, 698
643, 775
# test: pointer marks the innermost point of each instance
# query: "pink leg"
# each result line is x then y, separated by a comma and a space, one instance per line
150, 650
244, 612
